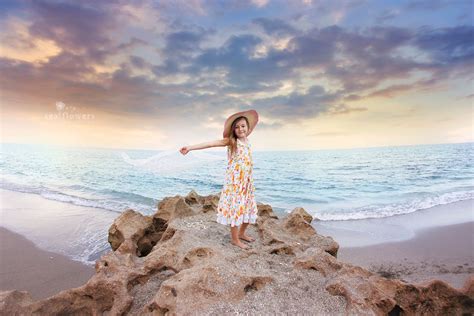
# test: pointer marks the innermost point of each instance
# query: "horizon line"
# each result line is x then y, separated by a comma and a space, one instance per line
288, 150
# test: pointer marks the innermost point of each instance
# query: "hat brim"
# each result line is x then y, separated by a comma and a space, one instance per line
251, 115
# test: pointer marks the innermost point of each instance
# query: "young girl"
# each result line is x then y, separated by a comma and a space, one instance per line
237, 206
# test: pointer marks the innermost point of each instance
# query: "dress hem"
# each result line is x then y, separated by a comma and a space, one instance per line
251, 219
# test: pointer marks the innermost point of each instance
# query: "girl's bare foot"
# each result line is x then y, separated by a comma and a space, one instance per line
246, 238
239, 244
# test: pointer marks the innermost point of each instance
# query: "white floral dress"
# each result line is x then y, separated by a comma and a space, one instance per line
237, 201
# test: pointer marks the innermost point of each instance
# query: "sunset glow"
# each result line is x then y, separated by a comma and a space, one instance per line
160, 74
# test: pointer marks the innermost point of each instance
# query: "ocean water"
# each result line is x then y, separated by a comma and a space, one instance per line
332, 185
329, 184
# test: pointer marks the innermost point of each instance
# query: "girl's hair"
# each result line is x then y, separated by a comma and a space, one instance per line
233, 138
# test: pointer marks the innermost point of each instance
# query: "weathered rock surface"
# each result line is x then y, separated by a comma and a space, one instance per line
180, 261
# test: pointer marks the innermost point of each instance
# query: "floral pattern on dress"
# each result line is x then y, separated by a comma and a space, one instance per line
237, 203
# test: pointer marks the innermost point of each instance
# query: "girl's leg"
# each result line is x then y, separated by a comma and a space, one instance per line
242, 235
234, 232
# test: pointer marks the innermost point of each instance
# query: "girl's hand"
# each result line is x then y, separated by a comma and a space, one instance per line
184, 150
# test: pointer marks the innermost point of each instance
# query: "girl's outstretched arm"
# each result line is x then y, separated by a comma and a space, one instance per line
216, 143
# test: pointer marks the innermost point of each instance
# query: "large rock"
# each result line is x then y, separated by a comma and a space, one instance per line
299, 223
197, 288
265, 211
192, 204
319, 260
172, 207
15, 302
179, 261
468, 287
133, 232
370, 294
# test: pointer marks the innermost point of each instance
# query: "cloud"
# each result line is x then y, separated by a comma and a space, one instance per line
74, 27
179, 48
260, 3
17, 43
276, 125
275, 26
429, 4
61, 79
183, 42
447, 45
397, 89
387, 15
244, 73
132, 43
186, 7
138, 62
191, 68
297, 106
344, 109
374, 55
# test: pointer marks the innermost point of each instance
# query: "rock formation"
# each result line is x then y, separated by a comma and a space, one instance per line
180, 261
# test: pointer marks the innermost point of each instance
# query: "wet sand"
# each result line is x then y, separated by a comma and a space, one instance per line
445, 253
25, 267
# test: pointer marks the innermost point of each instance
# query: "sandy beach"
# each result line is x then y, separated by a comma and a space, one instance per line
75, 231
435, 243
42, 273
36, 234
445, 253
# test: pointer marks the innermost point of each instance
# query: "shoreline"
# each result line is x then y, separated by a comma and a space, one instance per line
434, 243
25, 267
402, 227
27, 220
78, 232
445, 253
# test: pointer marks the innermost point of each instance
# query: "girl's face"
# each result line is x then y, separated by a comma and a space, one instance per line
241, 128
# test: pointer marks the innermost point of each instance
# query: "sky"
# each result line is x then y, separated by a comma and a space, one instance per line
164, 74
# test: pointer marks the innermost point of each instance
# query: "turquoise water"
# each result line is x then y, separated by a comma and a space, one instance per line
329, 184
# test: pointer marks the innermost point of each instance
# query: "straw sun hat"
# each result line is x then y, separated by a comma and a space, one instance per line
251, 115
